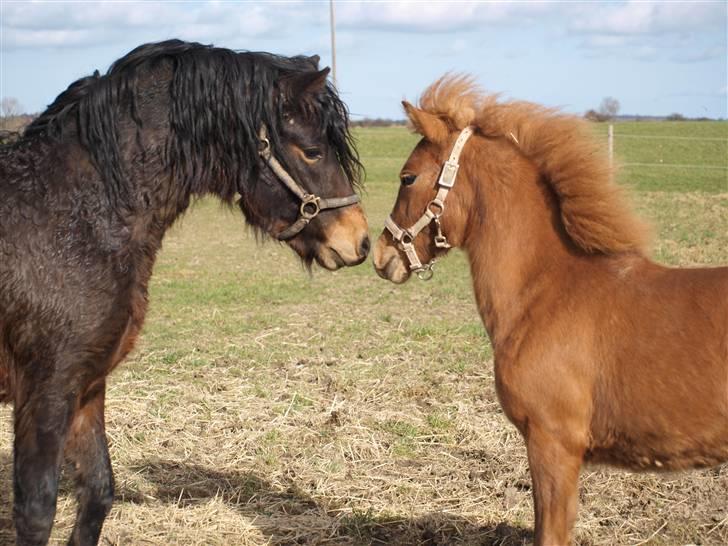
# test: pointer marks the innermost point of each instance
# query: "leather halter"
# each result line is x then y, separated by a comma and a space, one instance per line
434, 210
311, 204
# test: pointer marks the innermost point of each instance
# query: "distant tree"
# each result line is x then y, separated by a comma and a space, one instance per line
675, 117
593, 115
609, 107
377, 122
9, 107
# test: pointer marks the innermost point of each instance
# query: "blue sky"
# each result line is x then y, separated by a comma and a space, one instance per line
654, 57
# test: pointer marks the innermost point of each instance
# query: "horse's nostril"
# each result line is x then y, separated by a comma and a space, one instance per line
365, 246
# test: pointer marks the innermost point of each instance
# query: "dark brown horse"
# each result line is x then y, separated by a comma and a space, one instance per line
86, 196
601, 355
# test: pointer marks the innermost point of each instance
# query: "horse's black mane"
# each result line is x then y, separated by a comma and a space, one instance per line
218, 100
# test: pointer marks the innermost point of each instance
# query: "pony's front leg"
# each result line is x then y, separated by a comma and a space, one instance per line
555, 476
87, 449
41, 424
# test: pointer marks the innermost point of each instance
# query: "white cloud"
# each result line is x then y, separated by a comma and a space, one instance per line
631, 17
638, 17
412, 16
633, 29
599, 41
30, 38
647, 31
76, 24
636, 29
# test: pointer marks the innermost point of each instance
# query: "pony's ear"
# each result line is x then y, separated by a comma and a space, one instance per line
314, 60
305, 82
428, 125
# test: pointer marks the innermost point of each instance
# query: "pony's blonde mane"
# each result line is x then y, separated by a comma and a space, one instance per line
594, 210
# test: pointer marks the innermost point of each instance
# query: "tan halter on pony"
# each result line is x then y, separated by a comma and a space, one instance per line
405, 237
311, 204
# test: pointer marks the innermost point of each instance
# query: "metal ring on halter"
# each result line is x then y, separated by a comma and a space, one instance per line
310, 201
437, 203
265, 145
426, 272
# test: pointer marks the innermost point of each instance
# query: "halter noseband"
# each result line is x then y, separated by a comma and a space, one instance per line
311, 204
405, 237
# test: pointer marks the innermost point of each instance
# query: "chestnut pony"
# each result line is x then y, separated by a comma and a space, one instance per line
86, 196
601, 355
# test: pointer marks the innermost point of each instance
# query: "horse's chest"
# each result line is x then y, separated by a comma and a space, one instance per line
137, 300
127, 340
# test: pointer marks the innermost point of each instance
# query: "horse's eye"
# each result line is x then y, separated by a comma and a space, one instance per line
313, 154
408, 179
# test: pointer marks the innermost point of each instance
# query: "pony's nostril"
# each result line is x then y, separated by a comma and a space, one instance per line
364, 247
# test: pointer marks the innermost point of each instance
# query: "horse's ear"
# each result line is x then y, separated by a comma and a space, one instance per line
305, 82
315, 60
428, 125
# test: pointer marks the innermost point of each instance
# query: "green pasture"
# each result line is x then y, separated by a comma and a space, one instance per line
679, 156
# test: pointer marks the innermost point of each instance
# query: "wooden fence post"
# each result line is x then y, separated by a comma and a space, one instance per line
611, 144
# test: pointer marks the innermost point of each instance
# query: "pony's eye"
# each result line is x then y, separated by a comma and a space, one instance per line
312, 154
408, 179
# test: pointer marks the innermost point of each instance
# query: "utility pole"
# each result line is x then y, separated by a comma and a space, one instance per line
333, 42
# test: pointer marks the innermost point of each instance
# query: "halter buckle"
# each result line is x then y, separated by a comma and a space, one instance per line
441, 242
449, 172
310, 206
440, 239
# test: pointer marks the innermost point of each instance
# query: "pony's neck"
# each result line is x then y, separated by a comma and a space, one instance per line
515, 242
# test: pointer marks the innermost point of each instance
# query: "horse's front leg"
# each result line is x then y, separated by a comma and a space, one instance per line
41, 421
555, 475
88, 451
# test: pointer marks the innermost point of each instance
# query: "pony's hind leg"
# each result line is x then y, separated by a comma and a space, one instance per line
88, 451
41, 424
555, 475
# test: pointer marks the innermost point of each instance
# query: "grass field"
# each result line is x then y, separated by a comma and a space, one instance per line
672, 156
265, 405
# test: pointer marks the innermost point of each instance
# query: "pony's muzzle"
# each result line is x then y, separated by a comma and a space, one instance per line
346, 241
388, 261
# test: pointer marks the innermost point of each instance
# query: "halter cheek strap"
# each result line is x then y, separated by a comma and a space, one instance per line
434, 210
311, 204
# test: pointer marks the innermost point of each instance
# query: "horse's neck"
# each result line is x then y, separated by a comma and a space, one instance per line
158, 187
517, 253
